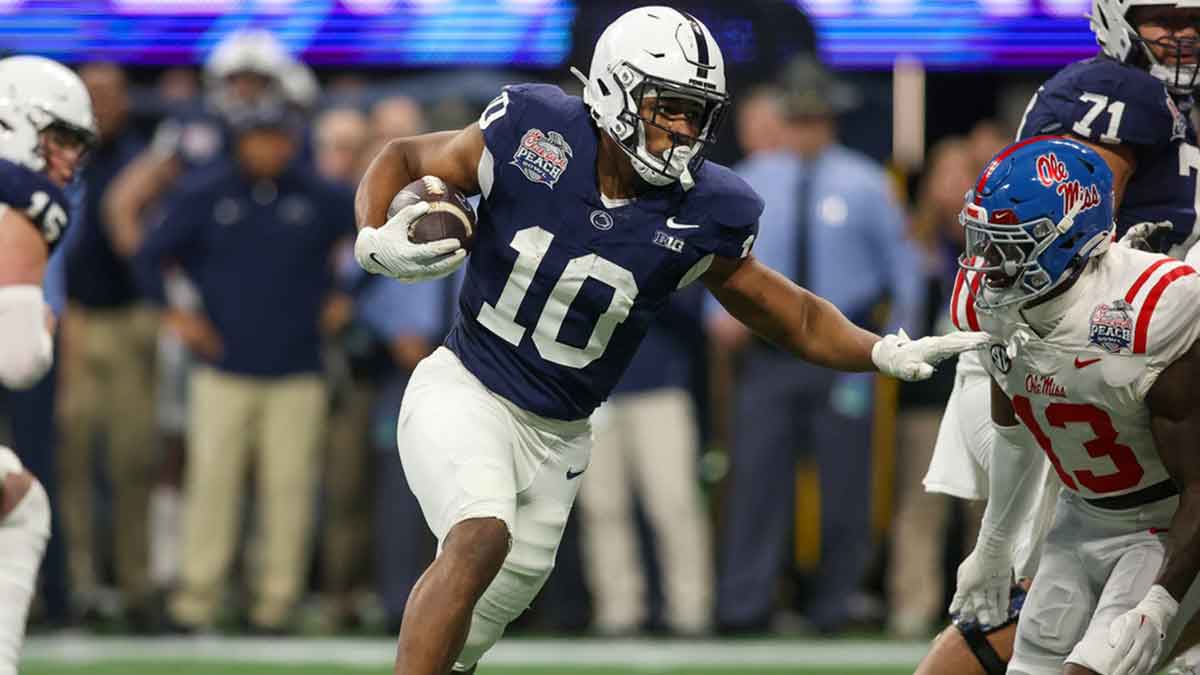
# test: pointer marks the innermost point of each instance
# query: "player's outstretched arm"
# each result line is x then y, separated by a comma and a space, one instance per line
813, 329
452, 156
1138, 634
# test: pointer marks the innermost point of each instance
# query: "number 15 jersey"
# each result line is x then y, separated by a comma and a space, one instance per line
561, 283
1081, 388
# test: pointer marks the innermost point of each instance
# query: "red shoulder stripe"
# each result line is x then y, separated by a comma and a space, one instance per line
1144, 277
1141, 331
972, 320
958, 286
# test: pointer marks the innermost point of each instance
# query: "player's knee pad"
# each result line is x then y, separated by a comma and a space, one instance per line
509, 594
975, 634
27, 349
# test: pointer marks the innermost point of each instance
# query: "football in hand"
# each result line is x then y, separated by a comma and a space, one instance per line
450, 215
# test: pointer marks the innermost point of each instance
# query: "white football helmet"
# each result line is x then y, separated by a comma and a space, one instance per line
659, 52
248, 51
1117, 36
39, 95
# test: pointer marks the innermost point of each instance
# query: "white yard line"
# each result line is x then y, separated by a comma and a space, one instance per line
510, 652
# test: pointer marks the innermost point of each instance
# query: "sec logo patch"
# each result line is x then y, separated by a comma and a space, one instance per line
1000, 358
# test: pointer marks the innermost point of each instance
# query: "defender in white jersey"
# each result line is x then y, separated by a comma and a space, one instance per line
1130, 104
1092, 359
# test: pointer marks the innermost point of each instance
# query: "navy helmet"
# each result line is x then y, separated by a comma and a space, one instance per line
1040, 210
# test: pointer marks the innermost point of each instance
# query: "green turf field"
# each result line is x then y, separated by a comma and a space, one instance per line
218, 655
167, 668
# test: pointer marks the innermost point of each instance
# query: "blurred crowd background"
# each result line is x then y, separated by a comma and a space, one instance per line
218, 435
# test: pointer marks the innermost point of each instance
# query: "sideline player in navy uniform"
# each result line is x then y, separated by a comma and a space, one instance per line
46, 126
1129, 103
594, 211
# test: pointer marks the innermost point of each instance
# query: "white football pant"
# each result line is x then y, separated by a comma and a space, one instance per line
23, 536
468, 453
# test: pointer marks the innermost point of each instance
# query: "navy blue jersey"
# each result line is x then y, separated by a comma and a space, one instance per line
1111, 103
560, 288
32, 193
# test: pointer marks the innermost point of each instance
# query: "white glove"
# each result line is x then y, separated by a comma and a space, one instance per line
1137, 635
984, 582
386, 250
901, 357
1137, 236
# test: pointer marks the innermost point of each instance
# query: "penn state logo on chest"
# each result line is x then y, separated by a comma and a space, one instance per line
542, 157
1111, 326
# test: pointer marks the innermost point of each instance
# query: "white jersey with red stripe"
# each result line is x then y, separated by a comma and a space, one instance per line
1081, 388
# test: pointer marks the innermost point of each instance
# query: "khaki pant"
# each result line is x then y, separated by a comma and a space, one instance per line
344, 542
915, 583
108, 376
276, 423
646, 442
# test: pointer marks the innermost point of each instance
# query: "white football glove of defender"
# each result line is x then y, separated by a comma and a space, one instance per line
902, 357
387, 250
1137, 236
983, 584
1138, 635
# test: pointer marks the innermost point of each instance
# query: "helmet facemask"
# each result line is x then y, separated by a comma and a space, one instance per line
683, 158
1116, 28
1009, 255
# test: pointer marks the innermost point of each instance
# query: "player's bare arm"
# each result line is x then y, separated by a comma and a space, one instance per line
23, 250
1175, 424
789, 316
1121, 161
137, 185
813, 329
452, 156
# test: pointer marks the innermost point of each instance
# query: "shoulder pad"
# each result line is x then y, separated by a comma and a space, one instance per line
33, 194
1106, 102
722, 197
1165, 297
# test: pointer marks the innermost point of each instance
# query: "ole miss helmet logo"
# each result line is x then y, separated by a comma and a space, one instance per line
1052, 172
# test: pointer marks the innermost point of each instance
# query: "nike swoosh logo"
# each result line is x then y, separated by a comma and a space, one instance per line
1085, 364
379, 262
679, 226
572, 475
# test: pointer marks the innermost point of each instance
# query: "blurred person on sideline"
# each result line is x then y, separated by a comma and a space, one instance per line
46, 129
832, 224
108, 377
646, 447
340, 136
915, 581
241, 236
760, 120
242, 68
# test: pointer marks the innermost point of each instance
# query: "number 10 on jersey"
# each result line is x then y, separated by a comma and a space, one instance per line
532, 244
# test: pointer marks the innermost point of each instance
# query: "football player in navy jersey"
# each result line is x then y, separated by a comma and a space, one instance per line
1130, 104
593, 212
46, 127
